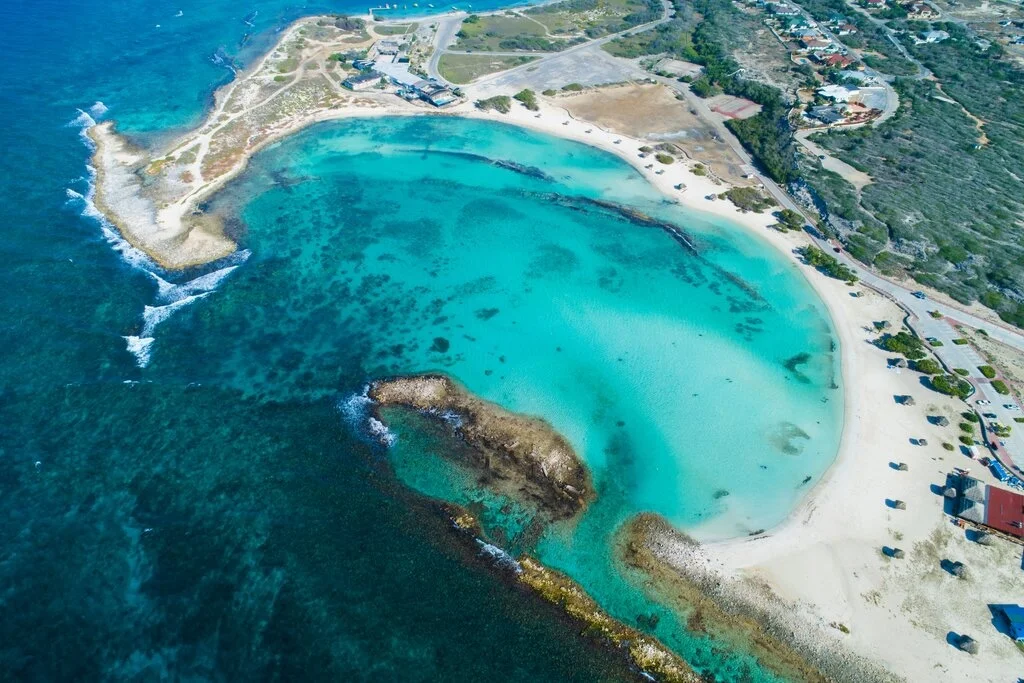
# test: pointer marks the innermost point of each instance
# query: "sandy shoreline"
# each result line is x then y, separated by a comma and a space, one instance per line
824, 562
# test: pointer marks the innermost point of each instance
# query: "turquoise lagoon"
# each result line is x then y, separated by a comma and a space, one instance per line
699, 384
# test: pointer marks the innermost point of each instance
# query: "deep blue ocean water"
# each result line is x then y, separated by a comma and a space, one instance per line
217, 515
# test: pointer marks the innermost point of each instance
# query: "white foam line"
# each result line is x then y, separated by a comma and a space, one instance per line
140, 348
152, 316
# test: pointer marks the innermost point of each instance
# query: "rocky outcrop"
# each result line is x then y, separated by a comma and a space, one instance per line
519, 456
649, 654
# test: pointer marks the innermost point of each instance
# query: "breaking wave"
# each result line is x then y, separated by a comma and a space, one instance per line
500, 557
98, 109
356, 411
152, 316
140, 348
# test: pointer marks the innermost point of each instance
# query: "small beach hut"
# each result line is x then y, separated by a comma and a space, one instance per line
968, 644
898, 553
899, 505
903, 467
922, 442
958, 570
909, 401
984, 539
942, 421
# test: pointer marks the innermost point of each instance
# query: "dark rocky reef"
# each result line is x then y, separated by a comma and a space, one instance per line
518, 456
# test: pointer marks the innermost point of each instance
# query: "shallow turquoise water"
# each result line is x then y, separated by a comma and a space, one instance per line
699, 386
218, 515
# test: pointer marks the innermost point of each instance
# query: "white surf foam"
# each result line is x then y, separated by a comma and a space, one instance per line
132, 256
500, 557
140, 348
152, 316
356, 411
98, 109
168, 292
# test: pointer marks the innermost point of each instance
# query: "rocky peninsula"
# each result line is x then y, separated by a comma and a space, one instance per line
519, 456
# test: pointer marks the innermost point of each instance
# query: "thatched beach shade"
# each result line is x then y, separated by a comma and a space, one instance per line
950, 492
901, 363
984, 539
903, 467
922, 442
899, 505
942, 421
968, 644
959, 570
898, 553
909, 401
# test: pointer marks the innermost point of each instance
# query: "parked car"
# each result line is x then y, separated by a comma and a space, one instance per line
920, 295
1010, 406
983, 402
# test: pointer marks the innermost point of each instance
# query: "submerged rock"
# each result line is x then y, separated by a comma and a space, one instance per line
523, 457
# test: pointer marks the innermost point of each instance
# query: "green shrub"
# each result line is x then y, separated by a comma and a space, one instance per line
828, 265
549, 92
935, 314
966, 440
646, 149
987, 370
528, 98
967, 427
664, 158
951, 385
1000, 387
572, 87
749, 199
928, 366
789, 220
698, 169
905, 344
1019, 420
948, 446
970, 416
960, 341
499, 103
961, 371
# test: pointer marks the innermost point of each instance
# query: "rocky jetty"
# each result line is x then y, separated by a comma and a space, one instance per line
519, 456
649, 654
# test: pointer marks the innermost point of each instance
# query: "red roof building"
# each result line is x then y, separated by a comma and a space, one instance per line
991, 506
1004, 511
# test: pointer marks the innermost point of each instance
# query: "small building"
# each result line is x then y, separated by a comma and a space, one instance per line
921, 10
846, 29
1014, 615
363, 64
386, 47
433, 92
934, 36
834, 61
780, 9
810, 44
828, 115
875, 4
838, 93
362, 81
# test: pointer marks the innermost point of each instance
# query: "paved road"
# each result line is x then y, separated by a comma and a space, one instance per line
447, 27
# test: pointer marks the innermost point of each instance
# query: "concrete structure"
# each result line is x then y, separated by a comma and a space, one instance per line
362, 81
434, 92
386, 47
